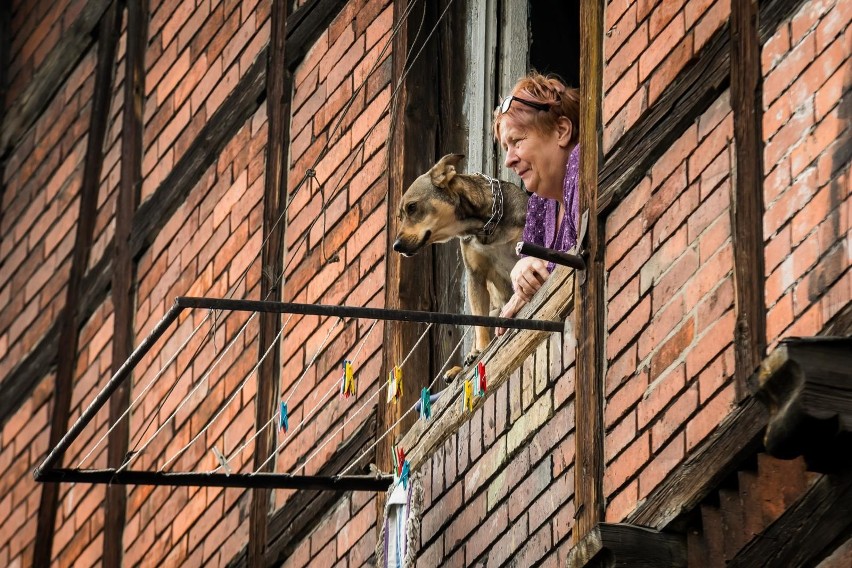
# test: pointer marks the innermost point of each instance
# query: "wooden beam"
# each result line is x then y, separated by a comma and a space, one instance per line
150, 218
806, 532
69, 330
553, 302
304, 511
51, 75
305, 25
618, 545
747, 198
278, 99
124, 269
807, 385
411, 152
590, 308
736, 438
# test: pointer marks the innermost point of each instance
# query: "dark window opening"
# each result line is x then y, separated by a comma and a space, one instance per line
555, 38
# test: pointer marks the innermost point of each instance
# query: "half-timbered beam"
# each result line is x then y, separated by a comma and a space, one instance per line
124, 268
618, 545
69, 330
51, 74
589, 307
747, 199
278, 98
411, 152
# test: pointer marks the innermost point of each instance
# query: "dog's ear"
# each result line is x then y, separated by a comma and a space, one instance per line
445, 170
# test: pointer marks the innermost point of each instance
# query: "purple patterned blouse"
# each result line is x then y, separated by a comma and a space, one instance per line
540, 227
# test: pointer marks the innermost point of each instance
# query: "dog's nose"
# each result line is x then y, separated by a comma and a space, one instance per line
397, 245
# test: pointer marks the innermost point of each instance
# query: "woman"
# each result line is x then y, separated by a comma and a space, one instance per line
538, 129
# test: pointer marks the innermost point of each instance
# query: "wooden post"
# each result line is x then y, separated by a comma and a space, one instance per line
747, 200
69, 333
410, 153
124, 268
278, 95
589, 301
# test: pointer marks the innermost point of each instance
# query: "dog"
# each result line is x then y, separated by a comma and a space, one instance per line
485, 214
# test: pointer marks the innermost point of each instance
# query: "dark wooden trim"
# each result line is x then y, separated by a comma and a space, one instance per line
736, 438
619, 545
806, 384
69, 331
590, 308
747, 198
20, 382
51, 75
806, 532
278, 97
124, 269
303, 512
410, 153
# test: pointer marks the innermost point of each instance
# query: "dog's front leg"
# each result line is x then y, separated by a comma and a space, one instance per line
480, 305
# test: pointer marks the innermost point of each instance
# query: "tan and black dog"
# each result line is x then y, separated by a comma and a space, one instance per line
486, 215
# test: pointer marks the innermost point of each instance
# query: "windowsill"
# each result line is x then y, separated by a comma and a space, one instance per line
503, 356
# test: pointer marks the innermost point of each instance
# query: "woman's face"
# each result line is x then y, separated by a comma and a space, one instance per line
538, 158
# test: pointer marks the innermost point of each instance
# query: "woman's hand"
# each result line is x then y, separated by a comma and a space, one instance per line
528, 275
510, 310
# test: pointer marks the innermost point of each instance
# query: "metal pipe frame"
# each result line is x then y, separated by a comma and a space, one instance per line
46, 472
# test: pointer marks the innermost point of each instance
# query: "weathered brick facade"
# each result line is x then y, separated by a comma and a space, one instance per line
500, 489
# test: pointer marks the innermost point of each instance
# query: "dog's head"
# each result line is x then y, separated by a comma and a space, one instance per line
429, 208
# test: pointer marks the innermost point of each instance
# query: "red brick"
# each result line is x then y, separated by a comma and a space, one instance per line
622, 303
716, 375
627, 465
626, 211
620, 369
661, 465
618, 506
788, 69
627, 330
626, 118
709, 417
670, 67
629, 265
618, 32
620, 436
775, 48
625, 57
712, 20
661, 46
711, 343
626, 397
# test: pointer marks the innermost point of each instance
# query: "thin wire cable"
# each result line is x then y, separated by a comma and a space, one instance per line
389, 430
144, 391
230, 399
203, 379
333, 389
349, 419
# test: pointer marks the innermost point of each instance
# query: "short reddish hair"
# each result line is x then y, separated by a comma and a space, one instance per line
548, 89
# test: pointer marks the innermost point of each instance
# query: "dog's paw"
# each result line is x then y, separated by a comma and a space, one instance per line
471, 357
451, 374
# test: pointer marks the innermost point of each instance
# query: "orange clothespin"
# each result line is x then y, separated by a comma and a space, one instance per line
395, 384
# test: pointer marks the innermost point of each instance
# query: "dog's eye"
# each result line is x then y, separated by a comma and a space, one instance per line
411, 208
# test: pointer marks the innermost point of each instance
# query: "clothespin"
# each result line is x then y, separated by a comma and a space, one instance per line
283, 423
348, 386
398, 456
395, 384
467, 400
480, 374
425, 404
404, 473
223, 463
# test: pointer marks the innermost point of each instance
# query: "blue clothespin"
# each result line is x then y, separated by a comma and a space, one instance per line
283, 423
425, 404
403, 476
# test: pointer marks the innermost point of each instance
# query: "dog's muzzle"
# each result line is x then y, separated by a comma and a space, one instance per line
408, 246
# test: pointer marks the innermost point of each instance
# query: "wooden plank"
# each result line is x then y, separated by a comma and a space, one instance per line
737, 437
504, 356
69, 331
306, 509
591, 298
51, 74
747, 199
124, 269
278, 97
408, 279
805, 532
619, 545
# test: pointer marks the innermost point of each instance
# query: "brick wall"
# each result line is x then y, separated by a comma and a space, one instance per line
646, 45
806, 129
670, 316
502, 487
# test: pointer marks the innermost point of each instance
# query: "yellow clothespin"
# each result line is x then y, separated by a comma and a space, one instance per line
468, 395
349, 387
